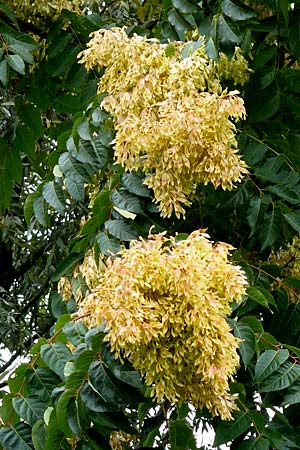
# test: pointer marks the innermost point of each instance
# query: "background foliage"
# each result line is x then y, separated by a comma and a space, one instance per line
62, 194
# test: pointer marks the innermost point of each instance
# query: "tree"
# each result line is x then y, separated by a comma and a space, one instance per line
187, 119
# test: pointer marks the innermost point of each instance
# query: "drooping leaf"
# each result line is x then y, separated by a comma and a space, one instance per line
269, 362
103, 384
39, 435
293, 219
53, 194
127, 201
227, 431
93, 401
31, 409
257, 208
254, 152
56, 355
107, 245
4, 72
41, 210
16, 436
259, 443
235, 11
102, 206
73, 169
270, 227
76, 189
261, 296
284, 376
41, 381
247, 344
181, 435
55, 437
185, 6
120, 371
67, 412
225, 31
121, 229
16, 63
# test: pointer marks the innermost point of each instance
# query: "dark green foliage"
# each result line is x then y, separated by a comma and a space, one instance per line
57, 167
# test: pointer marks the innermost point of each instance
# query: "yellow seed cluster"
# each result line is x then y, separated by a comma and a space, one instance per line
119, 440
288, 259
35, 10
235, 69
164, 304
85, 276
171, 116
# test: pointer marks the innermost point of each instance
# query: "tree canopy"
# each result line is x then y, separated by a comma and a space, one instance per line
150, 220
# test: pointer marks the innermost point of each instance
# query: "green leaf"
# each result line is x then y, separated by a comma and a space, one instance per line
56, 355
53, 194
270, 228
41, 381
22, 51
236, 12
225, 31
31, 116
293, 219
264, 107
178, 22
16, 63
25, 140
66, 265
16, 437
93, 401
261, 296
39, 435
181, 435
258, 443
107, 245
257, 208
211, 50
40, 210
75, 189
292, 396
10, 15
268, 362
31, 409
124, 200
102, 383
102, 207
73, 169
113, 420
67, 412
185, 6
4, 72
247, 345
58, 44
227, 431
66, 60
254, 152
287, 194
82, 128
119, 371
66, 103
84, 359
282, 378
121, 230
55, 437
76, 379
75, 331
